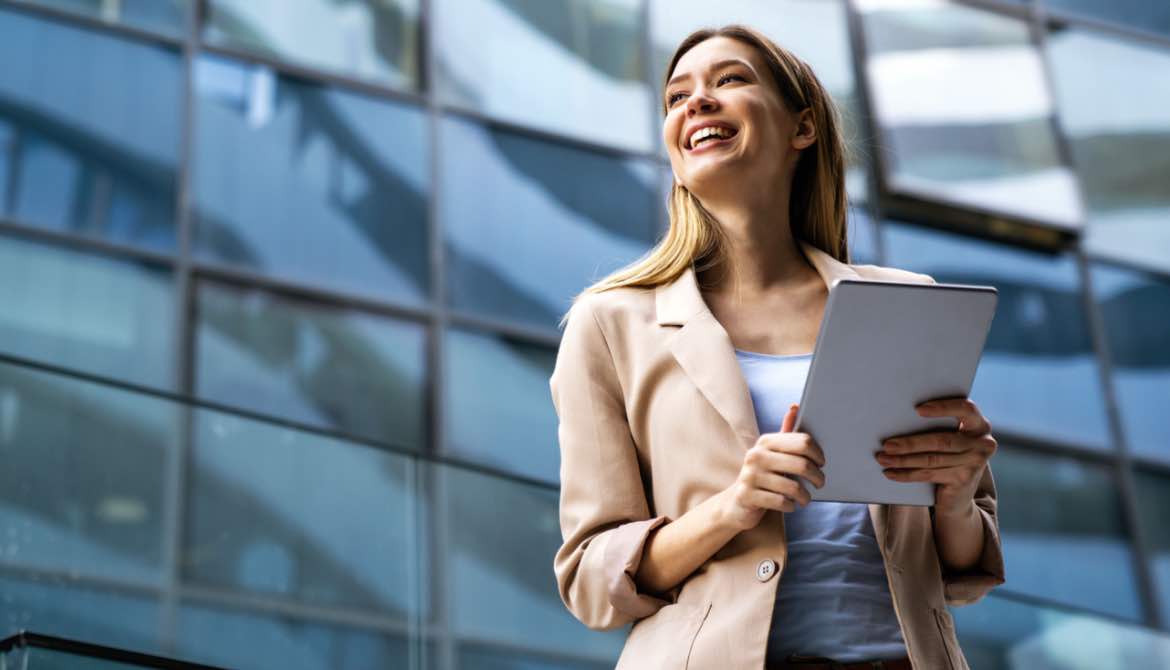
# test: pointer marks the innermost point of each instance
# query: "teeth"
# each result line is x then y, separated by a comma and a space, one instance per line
709, 131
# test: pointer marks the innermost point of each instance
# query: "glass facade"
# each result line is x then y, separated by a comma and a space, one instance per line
281, 284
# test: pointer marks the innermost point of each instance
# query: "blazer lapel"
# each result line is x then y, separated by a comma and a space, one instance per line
704, 350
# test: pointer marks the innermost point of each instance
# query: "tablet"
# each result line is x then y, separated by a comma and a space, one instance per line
883, 348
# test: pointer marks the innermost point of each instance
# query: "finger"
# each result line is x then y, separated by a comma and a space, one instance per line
789, 421
770, 500
947, 441
951, 475
794, 465
928, 460
794, 443
971, 420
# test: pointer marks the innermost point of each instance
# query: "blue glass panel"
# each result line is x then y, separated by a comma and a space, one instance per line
86, 312
93, 126
1039, 373
163, 16
529, 224
498, 569
862, 235
62, 607
1135, 309
81, 490
483, 657
568, 66
1113, 99
1153, 497
266, 641
371, 39
310, 183
325, 366
335, 524
1057, 506
1152, 17
498, 405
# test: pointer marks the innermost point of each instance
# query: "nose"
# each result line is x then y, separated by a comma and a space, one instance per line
701, 102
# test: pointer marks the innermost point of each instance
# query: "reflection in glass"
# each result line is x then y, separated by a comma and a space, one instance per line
963, 106
1001, 634
816, 31
567, 66
98, 160
61, 607
498, 405
1057, 506
349, 371
309, 183
1151, 17
499, 581
270, 642
529, 224
1135, 309
1039, 374
371, 39
1153, 499
1113, 105
85, 312
81, 489
163, 16
333, 525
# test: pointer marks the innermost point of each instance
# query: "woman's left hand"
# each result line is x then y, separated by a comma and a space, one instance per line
952, 459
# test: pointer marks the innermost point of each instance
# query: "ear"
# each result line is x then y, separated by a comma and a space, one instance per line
805, 132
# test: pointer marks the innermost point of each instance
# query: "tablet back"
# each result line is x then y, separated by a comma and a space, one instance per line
883, 348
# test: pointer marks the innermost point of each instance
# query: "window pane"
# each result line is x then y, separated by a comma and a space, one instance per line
310, 183
97, 160
350, 371
271, 642
484, 657
815, 30
86, 312
334, 525
1135, 308
1057, 506
164, 16
371, 39
1153, 17
1153, 493
1113, 99
1001, 634
1039, 373
530, 224
499, 568
566, 66
499, 408
81, 491
963, 106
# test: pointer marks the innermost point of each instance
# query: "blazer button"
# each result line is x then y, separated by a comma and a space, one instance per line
766, 570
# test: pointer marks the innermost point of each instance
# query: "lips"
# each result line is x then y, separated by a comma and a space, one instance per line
712, 142
708, 134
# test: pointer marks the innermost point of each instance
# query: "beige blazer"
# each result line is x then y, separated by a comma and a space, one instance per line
655, 417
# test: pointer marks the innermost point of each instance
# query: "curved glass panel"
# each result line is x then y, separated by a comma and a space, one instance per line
568, 66
370, 39
1113, 99
163, 16
89, 132
498, 593
358, 373
1135, 310
984, 136
87, 312
1039, 372
498, 405
310, 183
1153, 496
1053, 506
529, 224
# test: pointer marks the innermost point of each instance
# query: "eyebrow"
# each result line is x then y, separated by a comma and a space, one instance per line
714, 66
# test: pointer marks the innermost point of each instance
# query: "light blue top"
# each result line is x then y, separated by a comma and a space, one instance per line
833, 599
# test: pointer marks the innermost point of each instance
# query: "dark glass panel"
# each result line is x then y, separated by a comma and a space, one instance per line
92, 129
568, 66
63, 607
86, 312
1039, 372
529, 224
1153, 498
370, 39
336, 524
310, 183
326, 366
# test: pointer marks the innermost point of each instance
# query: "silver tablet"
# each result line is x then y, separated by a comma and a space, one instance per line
883, 348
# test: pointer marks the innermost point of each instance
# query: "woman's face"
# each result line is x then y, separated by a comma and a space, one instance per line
726, 125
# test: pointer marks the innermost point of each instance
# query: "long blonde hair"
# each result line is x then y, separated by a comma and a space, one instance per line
817, 206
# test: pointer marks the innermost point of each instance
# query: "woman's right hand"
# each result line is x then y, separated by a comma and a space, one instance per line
769, 480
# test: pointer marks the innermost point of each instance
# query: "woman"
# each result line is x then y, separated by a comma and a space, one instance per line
682, 508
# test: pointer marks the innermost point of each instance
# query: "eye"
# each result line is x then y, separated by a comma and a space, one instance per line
673, 99
730, 76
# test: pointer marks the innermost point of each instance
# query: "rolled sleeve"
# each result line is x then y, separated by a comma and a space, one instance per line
604, 515
969, 586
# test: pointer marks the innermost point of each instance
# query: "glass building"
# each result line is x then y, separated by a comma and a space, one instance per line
280, 282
